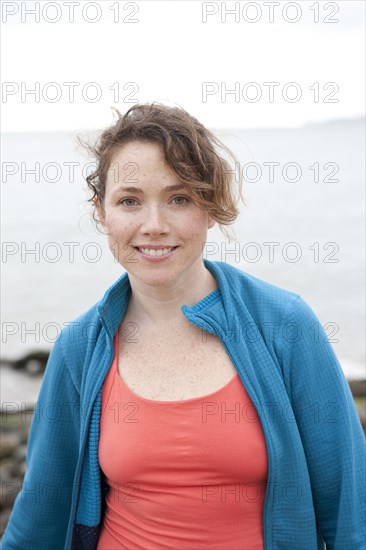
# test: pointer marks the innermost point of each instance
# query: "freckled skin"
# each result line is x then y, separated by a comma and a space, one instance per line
169, 358
153, 218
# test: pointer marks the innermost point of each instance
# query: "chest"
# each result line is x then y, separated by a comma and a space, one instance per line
172, 363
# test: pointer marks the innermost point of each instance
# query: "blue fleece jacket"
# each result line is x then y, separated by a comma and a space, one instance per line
315, 494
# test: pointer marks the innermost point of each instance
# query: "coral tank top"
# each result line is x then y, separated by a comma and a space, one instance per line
187, 474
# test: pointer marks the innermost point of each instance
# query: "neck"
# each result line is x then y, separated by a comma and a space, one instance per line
161, 306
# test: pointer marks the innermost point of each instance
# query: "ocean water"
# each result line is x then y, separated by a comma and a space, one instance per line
304, 190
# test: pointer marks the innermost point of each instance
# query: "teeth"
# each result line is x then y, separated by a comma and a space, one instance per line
153, 252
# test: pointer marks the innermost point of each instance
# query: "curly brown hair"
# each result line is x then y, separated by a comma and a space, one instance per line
192, 151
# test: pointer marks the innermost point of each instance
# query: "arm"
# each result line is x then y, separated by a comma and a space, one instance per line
330, 429
40, 515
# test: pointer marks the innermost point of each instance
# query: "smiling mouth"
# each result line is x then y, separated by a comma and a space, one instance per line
156, 252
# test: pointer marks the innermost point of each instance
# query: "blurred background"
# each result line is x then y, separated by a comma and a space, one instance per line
282, 84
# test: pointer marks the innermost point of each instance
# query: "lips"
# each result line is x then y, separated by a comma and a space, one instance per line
153, 252
156, 247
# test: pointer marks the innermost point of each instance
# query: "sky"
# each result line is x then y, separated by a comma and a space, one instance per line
266, 64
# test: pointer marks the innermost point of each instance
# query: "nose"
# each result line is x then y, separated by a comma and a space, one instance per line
155, 220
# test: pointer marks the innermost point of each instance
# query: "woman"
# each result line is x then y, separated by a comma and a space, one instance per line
191, 407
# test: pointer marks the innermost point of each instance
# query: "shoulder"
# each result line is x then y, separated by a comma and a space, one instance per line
76, 333
264, 301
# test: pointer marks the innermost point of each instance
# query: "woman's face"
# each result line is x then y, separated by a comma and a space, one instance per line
140, 210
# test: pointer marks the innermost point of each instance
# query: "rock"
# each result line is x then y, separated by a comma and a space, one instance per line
4, 518
9, 491
20, 452
22, 468
358, 387
33, 363
6, 470
9, 442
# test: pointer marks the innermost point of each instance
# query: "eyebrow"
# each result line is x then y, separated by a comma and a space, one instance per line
138, 190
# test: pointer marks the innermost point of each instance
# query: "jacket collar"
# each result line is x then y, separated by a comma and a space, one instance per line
113, 306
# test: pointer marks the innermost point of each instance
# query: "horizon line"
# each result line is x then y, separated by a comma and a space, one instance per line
225, 128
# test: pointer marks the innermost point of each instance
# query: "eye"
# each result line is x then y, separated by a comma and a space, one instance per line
181, 197
185, 200
122, 201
